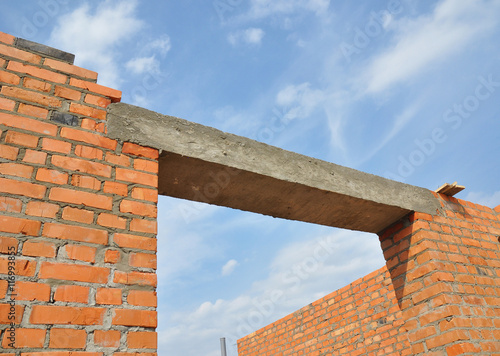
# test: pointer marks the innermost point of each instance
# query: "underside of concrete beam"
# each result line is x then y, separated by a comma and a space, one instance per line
204, 164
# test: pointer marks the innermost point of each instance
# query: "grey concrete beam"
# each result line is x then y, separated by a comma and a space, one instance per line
204, 164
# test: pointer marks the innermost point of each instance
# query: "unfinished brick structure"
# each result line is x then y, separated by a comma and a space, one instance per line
80, 175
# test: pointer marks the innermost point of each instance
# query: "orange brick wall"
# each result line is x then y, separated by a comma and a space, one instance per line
361, 319
439, 294
77, 216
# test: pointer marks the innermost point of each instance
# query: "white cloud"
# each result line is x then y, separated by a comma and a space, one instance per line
93, 34
299, 274
250, 36
229, 267
143, 65
430, 39
162, 45
299, 100
480, 198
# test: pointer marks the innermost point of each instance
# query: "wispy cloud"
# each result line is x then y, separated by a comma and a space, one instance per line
430, 39
94, 33
250, 36
229, 267
300, 100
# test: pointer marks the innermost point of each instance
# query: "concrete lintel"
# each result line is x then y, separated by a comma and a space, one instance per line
204, 164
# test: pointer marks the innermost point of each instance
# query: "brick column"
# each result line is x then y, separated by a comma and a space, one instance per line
77, 215
446, 274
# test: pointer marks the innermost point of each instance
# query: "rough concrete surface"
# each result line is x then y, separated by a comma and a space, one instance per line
204, 164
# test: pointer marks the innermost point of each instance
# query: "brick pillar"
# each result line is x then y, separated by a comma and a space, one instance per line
77, 214
446, 274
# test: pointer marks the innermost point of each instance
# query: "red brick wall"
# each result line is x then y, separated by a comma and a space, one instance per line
438, 295
77, 216
360, 319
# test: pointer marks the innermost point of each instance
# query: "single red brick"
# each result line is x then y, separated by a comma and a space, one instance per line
36, 72
144, 260
31, 96
136, 278
81, 198
72, 272
113, 94
113, 221
72, 294
45, 210
67, 339
88, 137
17, 53
32, 291
80, 165
115, 188
19, 226
8, 152
97, 100
148, 166
27, 124
88, 111
9, 78
145, 194
142, 298
3, 288
85, 182
51, 176
140, 151
38, 85
16, 170
4, 314
23, 267
39, 249
88, 152
21, 139
26, 338
10, 205
81, 253
107, 338
75, 233
138, 208
128, 317
109, 296
35, 157
6, 104
137, 242
112, 256
142, 340
132, 176
45, 314
141, 225
8, 244
78, 215
6, 38
70, 69
34, 111
120, 160
54, 145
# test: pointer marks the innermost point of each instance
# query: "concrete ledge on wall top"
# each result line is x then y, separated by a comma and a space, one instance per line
204, 164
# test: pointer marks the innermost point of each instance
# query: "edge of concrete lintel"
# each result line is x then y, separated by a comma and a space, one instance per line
171, 134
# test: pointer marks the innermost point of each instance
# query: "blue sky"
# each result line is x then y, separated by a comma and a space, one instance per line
403, 89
